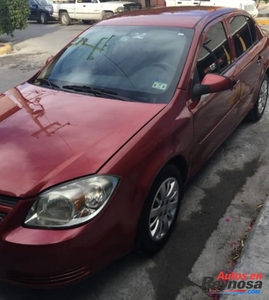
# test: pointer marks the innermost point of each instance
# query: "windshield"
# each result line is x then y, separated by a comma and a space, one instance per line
43, 2
140, 63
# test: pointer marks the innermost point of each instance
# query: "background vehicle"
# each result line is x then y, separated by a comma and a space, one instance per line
90, 10
107, 133
248, 5
41, 11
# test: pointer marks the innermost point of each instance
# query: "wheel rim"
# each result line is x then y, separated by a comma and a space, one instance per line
163, 209
107, 16
42, 18
263, 95
64, 20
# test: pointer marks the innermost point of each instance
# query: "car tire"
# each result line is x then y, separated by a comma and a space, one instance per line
65, 18
149, 237
259, 107
43, 18
107, 15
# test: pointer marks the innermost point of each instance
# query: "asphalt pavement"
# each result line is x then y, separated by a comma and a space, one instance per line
219, 204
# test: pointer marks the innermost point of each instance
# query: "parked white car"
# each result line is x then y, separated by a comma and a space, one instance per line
247, 5
90, 10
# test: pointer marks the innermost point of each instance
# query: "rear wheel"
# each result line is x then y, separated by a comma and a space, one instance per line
160, 212
107, 15
65, 19
258, 109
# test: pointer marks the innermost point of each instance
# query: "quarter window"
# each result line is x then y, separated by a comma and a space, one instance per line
243, 32
214, 55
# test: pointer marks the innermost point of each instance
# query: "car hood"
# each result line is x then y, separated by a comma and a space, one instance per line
48, 136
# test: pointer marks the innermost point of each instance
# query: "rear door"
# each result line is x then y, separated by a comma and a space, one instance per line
214, 115
248, 51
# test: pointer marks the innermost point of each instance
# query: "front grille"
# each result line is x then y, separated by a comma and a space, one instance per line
47, 279
2, 215
8, 201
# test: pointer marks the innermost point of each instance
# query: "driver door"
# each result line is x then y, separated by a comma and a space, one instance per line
33, 10
214, 115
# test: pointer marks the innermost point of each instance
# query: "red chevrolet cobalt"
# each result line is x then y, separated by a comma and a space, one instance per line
97, 146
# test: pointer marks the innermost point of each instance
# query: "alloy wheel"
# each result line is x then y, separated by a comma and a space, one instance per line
263, 95
163, 209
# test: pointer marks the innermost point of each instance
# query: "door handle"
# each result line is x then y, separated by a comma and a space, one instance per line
84, 5
195, 3
259, 59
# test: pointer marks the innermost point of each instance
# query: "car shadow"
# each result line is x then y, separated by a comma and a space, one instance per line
33, 30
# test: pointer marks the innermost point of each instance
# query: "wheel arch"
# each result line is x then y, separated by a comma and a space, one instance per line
180, 162
62, 11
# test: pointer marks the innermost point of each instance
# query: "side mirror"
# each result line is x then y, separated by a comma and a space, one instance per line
212, 83
49, 59
34, 5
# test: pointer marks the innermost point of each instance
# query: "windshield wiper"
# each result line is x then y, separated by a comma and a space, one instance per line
46, 81
96, 91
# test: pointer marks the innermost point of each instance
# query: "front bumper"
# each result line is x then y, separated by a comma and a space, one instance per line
48, 258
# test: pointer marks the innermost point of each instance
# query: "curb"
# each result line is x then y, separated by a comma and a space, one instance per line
5, 48
263, 21
254, 255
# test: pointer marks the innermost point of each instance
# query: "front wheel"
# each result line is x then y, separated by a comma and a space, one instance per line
65, 19
43, 19
160, 212
259, 107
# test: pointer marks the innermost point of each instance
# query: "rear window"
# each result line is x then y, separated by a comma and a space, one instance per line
141, 63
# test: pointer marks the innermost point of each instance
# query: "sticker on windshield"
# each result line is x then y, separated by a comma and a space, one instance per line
124, 38
159, 85
138, 35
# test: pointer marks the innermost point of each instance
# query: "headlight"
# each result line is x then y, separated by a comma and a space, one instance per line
120, 9
72, 203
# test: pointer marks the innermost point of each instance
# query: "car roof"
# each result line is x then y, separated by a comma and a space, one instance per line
181, 16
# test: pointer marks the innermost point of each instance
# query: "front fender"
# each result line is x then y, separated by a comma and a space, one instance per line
138, 163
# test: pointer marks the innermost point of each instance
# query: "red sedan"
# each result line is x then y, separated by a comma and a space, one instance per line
97, 146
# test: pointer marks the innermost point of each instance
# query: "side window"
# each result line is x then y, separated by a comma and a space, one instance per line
252, 29
214, 55
243, 32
